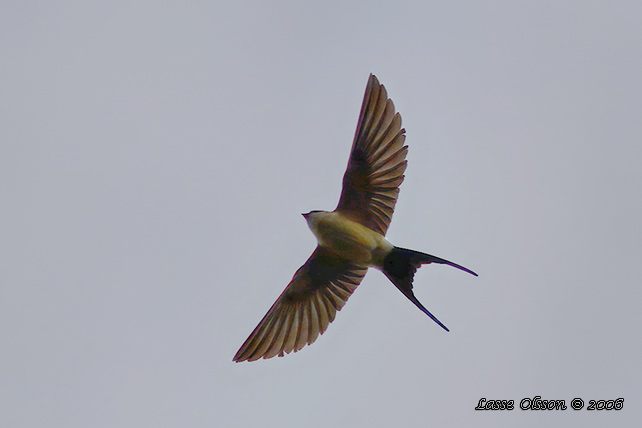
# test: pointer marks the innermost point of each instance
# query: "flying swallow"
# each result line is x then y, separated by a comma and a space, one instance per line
350, 239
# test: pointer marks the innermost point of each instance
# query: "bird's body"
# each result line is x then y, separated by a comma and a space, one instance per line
350, 239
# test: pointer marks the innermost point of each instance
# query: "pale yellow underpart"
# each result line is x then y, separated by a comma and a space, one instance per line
348, 239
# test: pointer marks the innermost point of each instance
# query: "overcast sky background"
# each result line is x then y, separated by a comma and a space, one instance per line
155, 158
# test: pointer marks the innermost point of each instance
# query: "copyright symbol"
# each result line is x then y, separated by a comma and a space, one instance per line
577, 404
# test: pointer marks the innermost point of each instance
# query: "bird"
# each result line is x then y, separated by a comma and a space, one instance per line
350, 239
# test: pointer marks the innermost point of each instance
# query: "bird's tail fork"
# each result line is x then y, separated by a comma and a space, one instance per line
400, 267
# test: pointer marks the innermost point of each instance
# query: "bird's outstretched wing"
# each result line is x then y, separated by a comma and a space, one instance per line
377, 162
306, 307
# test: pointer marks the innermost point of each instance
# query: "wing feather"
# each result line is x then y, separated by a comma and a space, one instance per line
377, 162
315, 328
306, 307
293, 331
304, 330
324, 311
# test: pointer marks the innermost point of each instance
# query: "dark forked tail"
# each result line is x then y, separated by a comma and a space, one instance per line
400, 267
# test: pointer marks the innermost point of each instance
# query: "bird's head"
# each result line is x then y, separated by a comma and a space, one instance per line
313, 218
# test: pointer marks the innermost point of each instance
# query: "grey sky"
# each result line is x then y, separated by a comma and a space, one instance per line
155, 158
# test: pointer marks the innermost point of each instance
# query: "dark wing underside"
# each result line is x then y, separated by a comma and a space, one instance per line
306, 307
377, 162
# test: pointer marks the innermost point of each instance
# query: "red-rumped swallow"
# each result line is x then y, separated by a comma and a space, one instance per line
350, 239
